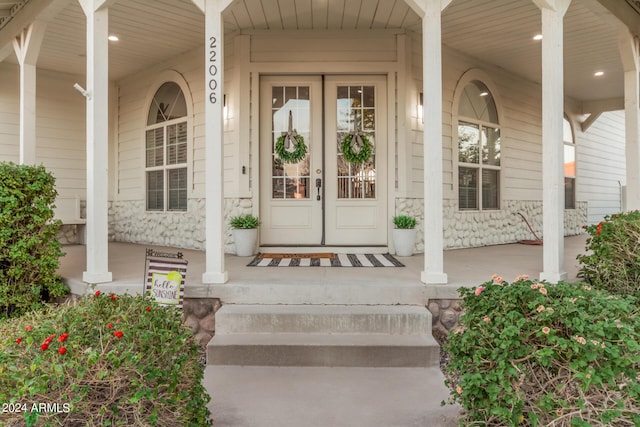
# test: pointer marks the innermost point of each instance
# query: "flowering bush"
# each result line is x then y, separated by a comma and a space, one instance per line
101, 361
532, 354
613, 262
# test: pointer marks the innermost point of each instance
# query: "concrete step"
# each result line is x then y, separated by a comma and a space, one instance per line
336, 319
323, 349
348, 289
323, 335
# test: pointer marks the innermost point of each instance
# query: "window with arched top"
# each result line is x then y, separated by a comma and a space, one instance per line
569, 165
478, 149
166, 150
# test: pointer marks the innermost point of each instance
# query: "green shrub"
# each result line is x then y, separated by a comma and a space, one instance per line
613, 260
535, 354
244, 221
29, 249
404, 221
126, 362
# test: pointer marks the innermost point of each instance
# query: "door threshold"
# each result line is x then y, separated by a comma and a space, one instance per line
338, 249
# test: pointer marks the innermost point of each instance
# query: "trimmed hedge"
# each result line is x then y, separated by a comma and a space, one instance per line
29, 249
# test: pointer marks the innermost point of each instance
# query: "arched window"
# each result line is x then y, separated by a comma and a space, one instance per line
166, 150
478, 149
569, 165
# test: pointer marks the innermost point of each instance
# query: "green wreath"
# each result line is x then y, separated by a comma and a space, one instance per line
365, 153
291, 156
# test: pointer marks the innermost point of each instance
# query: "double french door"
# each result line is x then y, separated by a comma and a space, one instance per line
323, 199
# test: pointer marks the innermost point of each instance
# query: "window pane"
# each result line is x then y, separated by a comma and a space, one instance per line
168, 103
477, 102
155, 190
468, 143
468, 188
490, 146
567, 133
154, 143
177, 189
177, 143
569, 193
569, 160
490, 189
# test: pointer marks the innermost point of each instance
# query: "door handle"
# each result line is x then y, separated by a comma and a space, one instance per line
318, 186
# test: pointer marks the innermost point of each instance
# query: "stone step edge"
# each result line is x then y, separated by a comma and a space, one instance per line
323, 339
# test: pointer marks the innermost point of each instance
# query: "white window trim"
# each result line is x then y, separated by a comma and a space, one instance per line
465, 79
177, 78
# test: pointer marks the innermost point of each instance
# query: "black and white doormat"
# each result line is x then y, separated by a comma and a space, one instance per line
325, 260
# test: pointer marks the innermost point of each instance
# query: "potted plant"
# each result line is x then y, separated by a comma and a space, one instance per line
404, 234
245, 234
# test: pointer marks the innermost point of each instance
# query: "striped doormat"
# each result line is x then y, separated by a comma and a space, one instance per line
325, 260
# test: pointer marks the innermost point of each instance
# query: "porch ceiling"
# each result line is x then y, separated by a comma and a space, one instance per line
497, 32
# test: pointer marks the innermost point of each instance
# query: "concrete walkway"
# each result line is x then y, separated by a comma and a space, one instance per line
328, 397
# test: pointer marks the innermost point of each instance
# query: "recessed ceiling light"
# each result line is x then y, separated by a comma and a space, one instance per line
598, 73
537, 37
484, 93
113, 38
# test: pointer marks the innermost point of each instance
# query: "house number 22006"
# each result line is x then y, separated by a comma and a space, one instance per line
213, 70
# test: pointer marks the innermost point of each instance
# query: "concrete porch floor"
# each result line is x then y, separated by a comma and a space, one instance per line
464, 267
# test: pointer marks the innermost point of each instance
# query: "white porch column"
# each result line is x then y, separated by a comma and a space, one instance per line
629, 51
553, 12
214, 142
27, 48
431, 11
97, 141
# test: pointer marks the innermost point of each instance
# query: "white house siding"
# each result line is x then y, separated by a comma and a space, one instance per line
60, 126
519, 105
130, 220
9, 113
600, 165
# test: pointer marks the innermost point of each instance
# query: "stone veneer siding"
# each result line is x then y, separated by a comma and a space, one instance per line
445, 316
132, 223
199, 317
466, 229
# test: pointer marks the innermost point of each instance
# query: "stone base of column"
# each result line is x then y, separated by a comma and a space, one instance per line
214, 277
432, 278
95, 277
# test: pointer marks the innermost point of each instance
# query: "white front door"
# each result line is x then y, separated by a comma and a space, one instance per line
323, 199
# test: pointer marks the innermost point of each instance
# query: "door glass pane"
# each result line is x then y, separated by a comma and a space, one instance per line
356, 106
468, 142
291, 180
468, 188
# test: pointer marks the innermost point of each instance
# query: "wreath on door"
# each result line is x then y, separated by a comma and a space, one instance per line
356, 147
290, 147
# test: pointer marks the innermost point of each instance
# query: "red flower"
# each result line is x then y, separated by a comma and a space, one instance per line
113, 297
63, 337
19, 340
148, 308
109, 325
62, 350
599, 229
28, 328
97, 293
118, 334
44, 346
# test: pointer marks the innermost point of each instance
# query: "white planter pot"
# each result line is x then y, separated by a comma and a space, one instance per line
404, 240
246, 241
